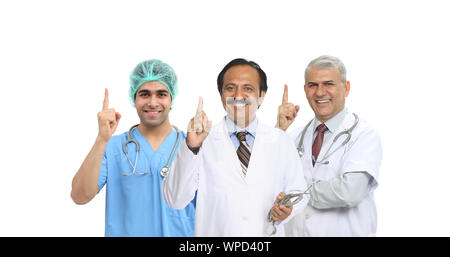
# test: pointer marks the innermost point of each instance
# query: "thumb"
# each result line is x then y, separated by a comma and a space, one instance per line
206, 129
118, 116
297, 108
209, 126
280, 196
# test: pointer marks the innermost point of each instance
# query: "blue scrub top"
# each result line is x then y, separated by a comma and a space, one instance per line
134, 204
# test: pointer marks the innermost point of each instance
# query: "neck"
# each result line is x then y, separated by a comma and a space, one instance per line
155, 132
243, 123
325, 119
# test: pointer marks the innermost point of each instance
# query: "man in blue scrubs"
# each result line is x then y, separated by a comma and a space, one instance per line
134, 204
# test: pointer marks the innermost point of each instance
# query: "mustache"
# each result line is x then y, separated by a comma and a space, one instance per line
232, 101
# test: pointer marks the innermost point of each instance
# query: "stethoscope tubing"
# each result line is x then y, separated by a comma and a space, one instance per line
164, 170
327, 155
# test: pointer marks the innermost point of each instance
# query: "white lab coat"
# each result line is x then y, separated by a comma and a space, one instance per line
361, 153
229, 204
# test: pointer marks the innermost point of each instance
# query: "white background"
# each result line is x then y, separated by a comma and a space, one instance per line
56, 58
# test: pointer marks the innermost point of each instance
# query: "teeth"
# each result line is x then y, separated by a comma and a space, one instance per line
322, 101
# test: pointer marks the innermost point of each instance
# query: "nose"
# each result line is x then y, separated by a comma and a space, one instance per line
240, 93
321, 90
153, 102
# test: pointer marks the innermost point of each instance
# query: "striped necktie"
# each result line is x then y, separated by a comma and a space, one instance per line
243, 151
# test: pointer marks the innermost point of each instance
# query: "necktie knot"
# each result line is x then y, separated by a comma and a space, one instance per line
241, 135
322, 128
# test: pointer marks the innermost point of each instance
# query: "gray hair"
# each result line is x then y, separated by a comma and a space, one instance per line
328, 62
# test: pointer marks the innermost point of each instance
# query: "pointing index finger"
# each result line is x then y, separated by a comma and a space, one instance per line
285, 94
200, 105
106, 100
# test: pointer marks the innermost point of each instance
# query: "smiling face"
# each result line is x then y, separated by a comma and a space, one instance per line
325, 92
240, 94
153, 103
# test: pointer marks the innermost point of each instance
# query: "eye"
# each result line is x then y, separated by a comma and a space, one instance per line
248, 89
143, 94
329, 83
229, 88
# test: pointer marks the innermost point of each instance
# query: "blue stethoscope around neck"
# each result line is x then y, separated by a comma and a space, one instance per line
164, 170
347, 132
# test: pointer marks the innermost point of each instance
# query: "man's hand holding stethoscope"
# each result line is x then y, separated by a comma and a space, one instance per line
286, 111
198, 128
279, 212
108, 119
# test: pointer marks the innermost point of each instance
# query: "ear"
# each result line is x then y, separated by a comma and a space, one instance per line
261, 98
347, 88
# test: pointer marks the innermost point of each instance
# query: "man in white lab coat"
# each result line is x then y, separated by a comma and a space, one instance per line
344, 173
240, 168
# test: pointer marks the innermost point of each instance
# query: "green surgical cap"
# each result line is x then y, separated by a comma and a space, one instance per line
153, 70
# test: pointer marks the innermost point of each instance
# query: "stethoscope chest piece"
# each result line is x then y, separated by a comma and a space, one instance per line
164, 171
300, 151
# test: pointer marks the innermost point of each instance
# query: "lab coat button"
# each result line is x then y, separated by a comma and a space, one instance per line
307, 216
244, 217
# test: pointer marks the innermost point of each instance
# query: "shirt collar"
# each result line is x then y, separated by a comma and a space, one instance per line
333, 123
232, 128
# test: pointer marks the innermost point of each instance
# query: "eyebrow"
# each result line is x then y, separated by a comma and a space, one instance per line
148, 91
323, 82
233, 84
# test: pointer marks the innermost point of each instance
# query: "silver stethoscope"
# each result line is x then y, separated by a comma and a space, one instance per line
164, 170
271, 229
347, 132
297, 197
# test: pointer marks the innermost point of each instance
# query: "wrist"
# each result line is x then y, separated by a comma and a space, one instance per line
194, 150
101, 140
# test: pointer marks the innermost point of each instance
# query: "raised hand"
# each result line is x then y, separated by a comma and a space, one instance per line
199, 127
108, 119
286, 111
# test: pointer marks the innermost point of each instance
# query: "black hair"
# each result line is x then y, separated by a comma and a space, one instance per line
241, 61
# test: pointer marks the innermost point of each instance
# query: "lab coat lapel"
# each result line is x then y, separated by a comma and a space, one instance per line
222, 137
252, 169
307, 144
